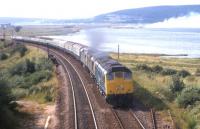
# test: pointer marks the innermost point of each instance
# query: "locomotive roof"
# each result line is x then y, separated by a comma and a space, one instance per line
109, 64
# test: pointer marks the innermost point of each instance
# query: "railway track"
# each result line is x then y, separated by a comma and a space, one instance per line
147, 118
145, 115
84, 116
125, 119
73, 94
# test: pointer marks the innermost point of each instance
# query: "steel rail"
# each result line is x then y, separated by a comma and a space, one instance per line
89, 101
133, 114
153, 119
118, 119
73, 93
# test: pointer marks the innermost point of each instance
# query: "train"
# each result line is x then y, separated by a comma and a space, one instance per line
113, 79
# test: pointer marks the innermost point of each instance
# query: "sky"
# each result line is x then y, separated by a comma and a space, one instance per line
68, 9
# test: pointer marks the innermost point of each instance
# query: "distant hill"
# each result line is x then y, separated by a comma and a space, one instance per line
136, 15
147, 14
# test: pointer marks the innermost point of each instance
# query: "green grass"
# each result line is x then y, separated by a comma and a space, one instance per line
36, 79
153, 89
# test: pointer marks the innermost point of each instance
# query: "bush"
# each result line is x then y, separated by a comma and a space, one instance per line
37, 77
168, 72
19, 48
157, 69
44, 64
188, 96
22, 68
7, 119
22, 51
143, 67
48, 98
183, 73
167, 94
5, 95
19, 93
3, 56
192, 123
16, 81
177, 85
197, 73
47, 91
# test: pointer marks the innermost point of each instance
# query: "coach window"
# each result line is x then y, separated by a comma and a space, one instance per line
110, 76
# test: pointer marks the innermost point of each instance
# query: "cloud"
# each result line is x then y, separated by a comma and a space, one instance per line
191, 20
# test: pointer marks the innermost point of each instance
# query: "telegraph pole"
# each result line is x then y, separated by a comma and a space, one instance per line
118, 52
47, 49
3, 38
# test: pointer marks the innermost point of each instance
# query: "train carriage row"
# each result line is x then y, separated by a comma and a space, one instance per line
113, 79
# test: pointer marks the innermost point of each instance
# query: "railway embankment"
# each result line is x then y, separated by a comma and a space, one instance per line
28, 86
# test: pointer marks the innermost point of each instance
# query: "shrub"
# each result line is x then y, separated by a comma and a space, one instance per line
188, 96
23, 67
3, 56
36, 78
197, 73
143, 67
167, 94
19, 93
183, 73
5, 96
168, 72
157, 69
7, 119
48, 98
3, 83
22, 51
19, 48
47, 91
192, 123
177, 85
44, 64
16, 81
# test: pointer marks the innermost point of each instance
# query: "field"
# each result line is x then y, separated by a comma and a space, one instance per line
153, 87
41, 30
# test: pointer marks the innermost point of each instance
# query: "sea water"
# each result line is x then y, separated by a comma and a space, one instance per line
148, 41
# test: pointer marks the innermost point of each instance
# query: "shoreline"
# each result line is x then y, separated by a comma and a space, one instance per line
187, 56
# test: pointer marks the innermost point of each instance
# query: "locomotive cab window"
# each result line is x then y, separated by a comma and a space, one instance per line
127, 76
118, 74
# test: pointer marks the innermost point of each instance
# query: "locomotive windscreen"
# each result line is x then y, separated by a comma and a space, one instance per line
117, 69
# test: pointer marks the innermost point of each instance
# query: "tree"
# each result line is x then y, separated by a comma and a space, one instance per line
18, 28
177, 85
188, 96
183, 73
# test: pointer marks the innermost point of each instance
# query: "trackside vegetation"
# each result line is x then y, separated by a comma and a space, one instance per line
167, 84
25, 74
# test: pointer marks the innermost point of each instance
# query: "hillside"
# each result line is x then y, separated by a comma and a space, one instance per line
136, 15
147, 14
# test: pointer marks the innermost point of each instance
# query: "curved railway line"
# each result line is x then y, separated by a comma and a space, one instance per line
121, 116
84, 116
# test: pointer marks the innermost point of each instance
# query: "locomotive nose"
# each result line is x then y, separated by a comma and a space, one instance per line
120, 88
